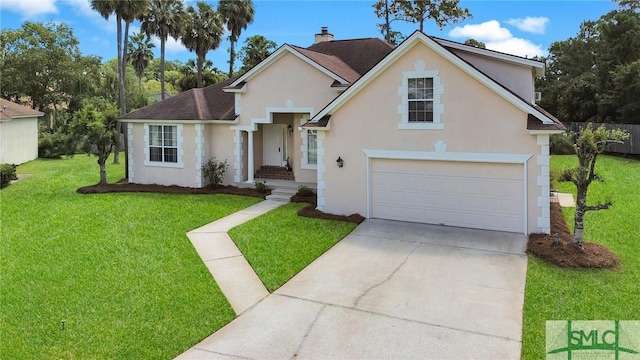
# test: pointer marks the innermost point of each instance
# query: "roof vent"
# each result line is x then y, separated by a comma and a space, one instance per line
324, 35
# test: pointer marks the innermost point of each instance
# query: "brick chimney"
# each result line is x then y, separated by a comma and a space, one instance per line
324, 35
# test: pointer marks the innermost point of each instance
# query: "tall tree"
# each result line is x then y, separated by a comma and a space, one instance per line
385, 9
37, 54
140, 49
202, 32
163, 18
127, 11
442, 12
236, 14
256, 49
588, 144
592, 76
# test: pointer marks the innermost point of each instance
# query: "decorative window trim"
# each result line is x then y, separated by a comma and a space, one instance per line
148, 162
304, 135
403, 91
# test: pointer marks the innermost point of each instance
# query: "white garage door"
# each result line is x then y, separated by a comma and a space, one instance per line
474, 195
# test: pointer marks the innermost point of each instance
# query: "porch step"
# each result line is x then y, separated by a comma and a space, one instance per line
283, 194
274, 172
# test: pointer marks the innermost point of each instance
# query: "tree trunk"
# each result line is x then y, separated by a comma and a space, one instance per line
162, 41
232, 55
387, 35
103, 170
123, 129
121, 100
199, 77
422, 25
578, 218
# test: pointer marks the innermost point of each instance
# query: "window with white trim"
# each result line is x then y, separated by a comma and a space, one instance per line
420, 99
163, 143
312, 147
420, 94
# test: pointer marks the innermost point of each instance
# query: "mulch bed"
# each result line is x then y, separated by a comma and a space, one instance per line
310, 211
566, 254
123, 186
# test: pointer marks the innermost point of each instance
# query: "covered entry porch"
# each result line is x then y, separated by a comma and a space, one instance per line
276, 148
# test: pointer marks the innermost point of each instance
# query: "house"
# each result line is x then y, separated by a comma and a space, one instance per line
430, 131
18, 133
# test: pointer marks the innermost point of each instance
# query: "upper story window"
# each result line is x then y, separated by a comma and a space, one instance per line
420, 98
420, 93
163, 145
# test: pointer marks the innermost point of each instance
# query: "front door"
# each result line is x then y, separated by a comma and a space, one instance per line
273, 139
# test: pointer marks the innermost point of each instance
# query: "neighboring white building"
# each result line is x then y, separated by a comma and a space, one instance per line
18, 133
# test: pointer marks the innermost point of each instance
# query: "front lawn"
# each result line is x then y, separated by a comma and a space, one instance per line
280, 243
105, 276
554, 293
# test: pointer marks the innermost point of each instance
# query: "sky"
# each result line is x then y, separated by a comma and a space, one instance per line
524, 28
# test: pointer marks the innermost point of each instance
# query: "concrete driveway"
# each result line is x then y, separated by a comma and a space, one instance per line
390, 290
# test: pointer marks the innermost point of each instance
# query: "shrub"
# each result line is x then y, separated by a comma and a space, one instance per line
54, 145
214, 171
261, 187
561, 144
7, 173
304, 191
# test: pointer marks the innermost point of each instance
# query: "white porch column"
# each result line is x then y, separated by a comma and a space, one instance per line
237, 165
250, 169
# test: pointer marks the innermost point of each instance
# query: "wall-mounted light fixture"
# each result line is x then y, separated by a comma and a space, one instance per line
290, 130
340, 162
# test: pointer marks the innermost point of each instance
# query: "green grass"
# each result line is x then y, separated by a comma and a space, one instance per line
280, 243
117, 269
554, 293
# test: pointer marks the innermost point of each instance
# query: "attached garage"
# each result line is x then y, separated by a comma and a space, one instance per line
474, 194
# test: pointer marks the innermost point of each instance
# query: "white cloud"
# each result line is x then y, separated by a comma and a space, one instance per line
517, 46
535, 25
498, 38
487, 31
83, 7
171, 45
30, 8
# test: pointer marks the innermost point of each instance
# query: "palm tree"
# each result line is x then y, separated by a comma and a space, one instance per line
202, 32
141, 53
127, 10
163, 18
256, 49
236, 14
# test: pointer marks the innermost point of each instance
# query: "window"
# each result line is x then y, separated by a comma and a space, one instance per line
420, 99
421, 93
163, 143
312, 147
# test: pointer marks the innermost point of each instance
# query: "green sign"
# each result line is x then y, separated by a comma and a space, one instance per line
593, 339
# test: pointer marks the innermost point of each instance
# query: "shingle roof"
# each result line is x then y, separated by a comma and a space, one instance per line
209, 103
331, 63
9, 109
359, 54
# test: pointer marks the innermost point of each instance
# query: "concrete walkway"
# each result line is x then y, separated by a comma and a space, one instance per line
235, 277
390, 290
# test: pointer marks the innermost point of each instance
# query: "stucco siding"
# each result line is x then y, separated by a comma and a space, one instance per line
18, 140
162, 175
219, 144
517, 78
287, 83
475, 119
